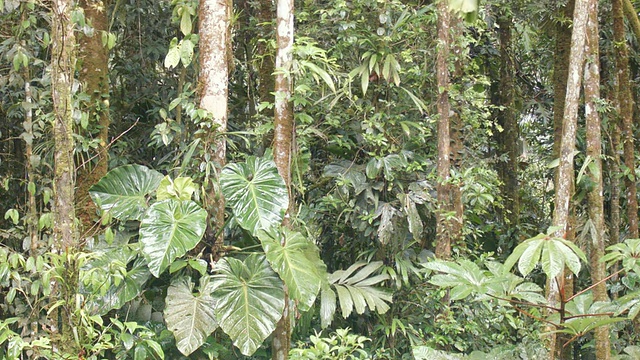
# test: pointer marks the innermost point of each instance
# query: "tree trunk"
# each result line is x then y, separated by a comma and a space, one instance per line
456, 127
560, 76
283, 140
93, 57
64, 229
632, 16
32, 212
62, 68
507, 139
595, 198
568, 144
266, 83
626, 115
443, 222
214, 90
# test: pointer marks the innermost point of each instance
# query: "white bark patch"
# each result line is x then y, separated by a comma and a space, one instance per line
214, 72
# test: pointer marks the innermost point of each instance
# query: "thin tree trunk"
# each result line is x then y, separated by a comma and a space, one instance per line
64, 229
626, 115
561, 73
62, 66
283, 140
632, 16
613, 163
457, 137
214, 80
595, 197
561, 215
613, 148
32, 218
560, 77
508, 138
443, 187
94, 59
266, 83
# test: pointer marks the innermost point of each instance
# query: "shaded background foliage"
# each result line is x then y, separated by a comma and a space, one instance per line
364, 168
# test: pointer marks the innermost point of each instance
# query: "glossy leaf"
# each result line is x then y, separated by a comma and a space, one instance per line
386, 229
552, 253
627, 252
110, 276
255, 192
128, 289
182, 188
327, 305
356, 291
413, 218
191, 318
250, 300
123, 191
297, 262
168, 230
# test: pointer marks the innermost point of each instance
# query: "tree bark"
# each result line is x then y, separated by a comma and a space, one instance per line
632, 16
266, 83
561, 215
626, 115
62, 69
508, 138
283, 140
560, 77
32, 214
214, 89
64, 229
595, 199
93, 57
456, 127
561, 73
443, 217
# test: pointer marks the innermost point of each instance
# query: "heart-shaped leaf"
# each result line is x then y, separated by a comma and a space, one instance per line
190, 317
168, 230
297, 262
124, 190
255, 192
250, 300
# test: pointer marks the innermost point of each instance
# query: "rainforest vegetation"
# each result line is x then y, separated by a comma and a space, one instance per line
319, 179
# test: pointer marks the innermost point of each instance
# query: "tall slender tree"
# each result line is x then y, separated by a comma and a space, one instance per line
563, 32
625, 102
64, 228
595, 199
62, 69
93, 58
507, 139
444, 226
265, 15
283, 141
565, 175
214, 89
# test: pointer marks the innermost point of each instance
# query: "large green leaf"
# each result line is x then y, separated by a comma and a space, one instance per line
130, 287
255, 192
124, 190
297, 262
109, 281
191, 318
250, 300
327, 305
182, 188
552, 253
168, 230
357, 291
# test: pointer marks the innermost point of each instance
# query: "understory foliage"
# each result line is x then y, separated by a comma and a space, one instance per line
346, 251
